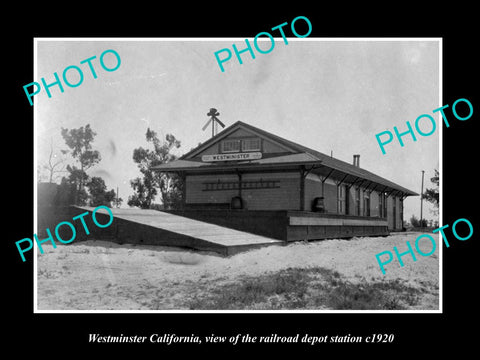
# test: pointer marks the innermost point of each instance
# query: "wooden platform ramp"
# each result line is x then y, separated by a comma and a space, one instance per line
151, 227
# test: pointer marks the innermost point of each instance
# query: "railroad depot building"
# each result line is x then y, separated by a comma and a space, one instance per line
249, 179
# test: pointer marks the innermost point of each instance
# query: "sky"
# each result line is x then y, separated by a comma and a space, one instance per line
328, 94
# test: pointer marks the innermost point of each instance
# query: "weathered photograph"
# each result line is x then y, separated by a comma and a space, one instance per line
193, 175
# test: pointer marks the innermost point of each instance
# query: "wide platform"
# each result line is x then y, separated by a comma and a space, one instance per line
291, 225
161, 228
224, 231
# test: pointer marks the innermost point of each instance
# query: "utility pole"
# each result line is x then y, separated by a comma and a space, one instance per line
421, 202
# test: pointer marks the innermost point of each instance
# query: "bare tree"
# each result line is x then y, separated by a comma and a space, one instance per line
55, 164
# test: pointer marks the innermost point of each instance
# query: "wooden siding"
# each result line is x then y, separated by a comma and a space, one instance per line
285, 197
209, 151
313, 189
313, 226
196, 195
374, 204
271, 148
240, 133
291, 225
330, 195
323, 221
351, 201
390, 212
267, 147
397, 224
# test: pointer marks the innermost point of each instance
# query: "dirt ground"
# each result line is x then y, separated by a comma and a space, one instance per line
100, 275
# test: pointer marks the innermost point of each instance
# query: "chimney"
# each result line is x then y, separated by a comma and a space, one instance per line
356, 160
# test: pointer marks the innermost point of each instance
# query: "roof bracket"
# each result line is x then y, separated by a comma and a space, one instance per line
341, 181
328, 175
305, 172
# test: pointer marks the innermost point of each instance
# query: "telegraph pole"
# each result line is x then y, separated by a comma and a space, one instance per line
421, 202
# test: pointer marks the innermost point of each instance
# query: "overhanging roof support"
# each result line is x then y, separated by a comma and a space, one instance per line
341, 181
390, 192
305, 172
353, 183
367, 187
330, 173
373, 189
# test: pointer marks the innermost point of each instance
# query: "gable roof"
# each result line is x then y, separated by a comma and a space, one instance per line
234, 127
299, 155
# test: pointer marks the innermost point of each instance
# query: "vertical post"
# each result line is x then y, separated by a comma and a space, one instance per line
347, 200
325, 179
400, 204
421, 202
239, 174
183, 176
338, 197
302, 187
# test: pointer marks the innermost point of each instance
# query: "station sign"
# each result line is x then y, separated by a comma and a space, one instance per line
232, 157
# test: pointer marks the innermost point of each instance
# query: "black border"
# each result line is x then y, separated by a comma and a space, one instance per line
429, 332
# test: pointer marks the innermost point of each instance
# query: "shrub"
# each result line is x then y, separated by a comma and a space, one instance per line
312, 288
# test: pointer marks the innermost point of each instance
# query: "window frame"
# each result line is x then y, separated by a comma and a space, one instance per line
237, 141
366, 203
358, 205
382, 204
244, 141
341, 199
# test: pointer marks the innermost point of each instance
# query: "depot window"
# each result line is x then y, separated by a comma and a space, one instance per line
230, 146
251, 144
382, 204
366, 203
357, 201
341, 200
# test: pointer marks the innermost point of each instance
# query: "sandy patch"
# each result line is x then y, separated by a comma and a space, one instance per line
100, 275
